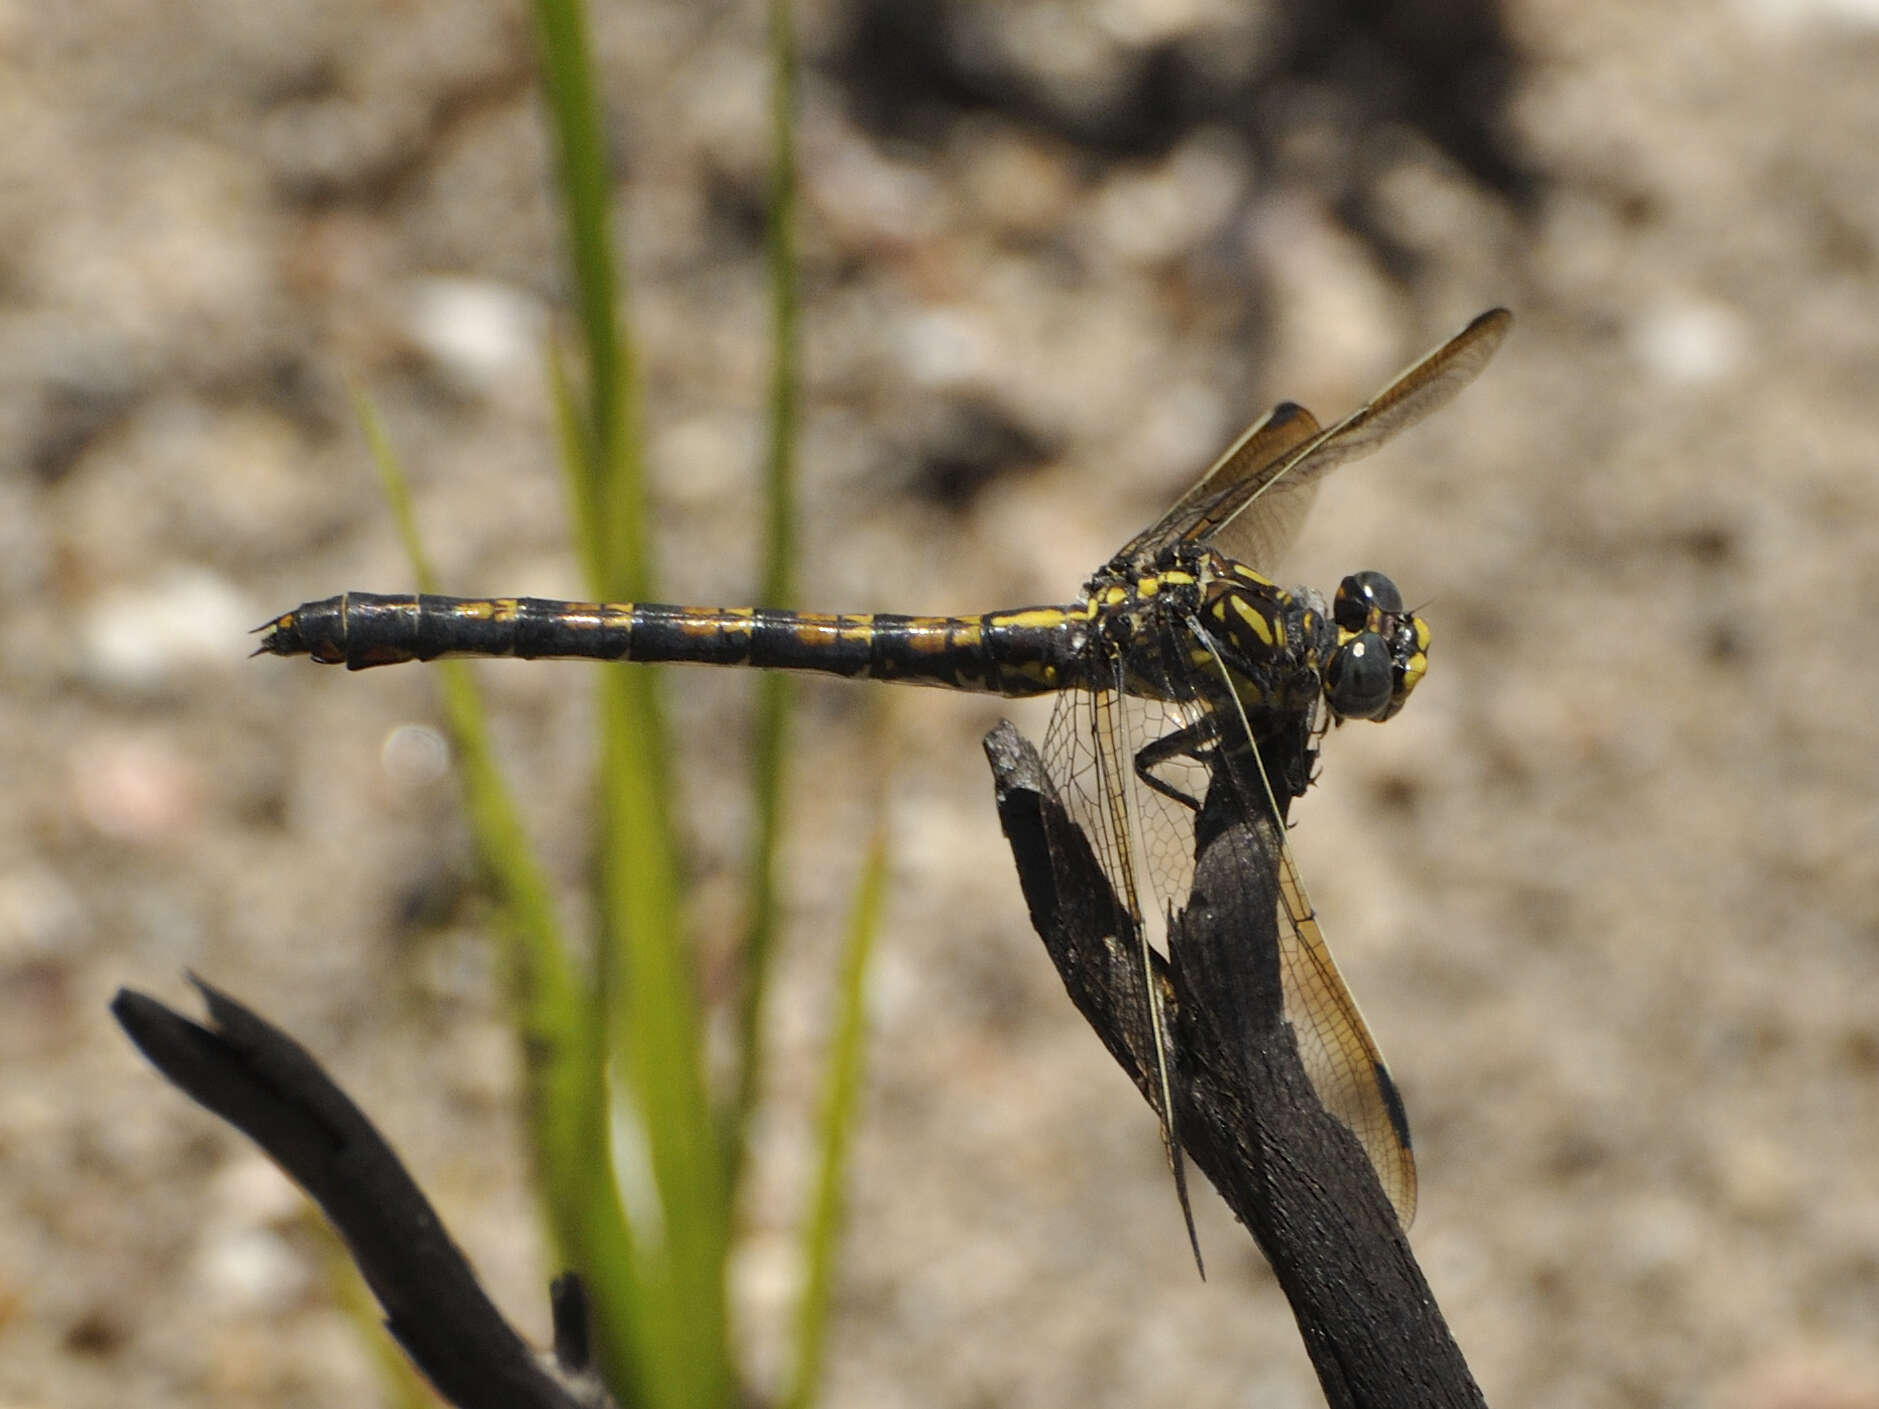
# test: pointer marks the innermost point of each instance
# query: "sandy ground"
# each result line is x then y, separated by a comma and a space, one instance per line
1608, 890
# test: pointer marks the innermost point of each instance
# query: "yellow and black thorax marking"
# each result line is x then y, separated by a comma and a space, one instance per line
1194, 622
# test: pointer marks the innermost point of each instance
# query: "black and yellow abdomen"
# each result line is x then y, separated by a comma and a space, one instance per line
1030, 651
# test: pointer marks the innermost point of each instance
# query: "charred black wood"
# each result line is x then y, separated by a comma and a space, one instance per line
258, 1079
1244, 1108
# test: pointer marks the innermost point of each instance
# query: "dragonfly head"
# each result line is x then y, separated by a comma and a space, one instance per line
1382, 649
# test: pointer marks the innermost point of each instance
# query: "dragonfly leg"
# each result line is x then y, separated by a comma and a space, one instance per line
1192, 741
1200, 743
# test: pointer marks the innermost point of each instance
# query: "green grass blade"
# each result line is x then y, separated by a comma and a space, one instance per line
577, 468
657, 1044
841, 1101
611, 495
649, 996
567, 78
555, 1009
777, 589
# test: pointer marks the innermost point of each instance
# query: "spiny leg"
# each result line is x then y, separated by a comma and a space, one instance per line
1192, 741
1200, 743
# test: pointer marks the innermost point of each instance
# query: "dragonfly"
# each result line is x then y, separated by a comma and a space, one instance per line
1181, 652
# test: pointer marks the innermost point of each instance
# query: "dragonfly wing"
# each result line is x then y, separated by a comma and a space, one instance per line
1335, 1047
1252, 500
1260, 536
1089, 752
1261, 450
1340, 1056
1238, 525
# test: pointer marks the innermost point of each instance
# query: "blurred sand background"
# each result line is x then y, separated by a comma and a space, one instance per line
1608, 890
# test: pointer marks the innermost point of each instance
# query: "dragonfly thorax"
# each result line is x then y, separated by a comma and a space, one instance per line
1273, 642
1193, 622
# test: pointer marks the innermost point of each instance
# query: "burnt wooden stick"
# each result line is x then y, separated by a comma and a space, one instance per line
1244, 1108
266, 1085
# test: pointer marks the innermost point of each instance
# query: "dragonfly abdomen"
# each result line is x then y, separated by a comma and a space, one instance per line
1030, 651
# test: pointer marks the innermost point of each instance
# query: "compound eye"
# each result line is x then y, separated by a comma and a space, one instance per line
1361, 595
1360, 680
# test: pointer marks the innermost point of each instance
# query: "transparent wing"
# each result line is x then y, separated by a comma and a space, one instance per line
1340, 1056
1253, 499
1243, 468
1143, 837
1138, 839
